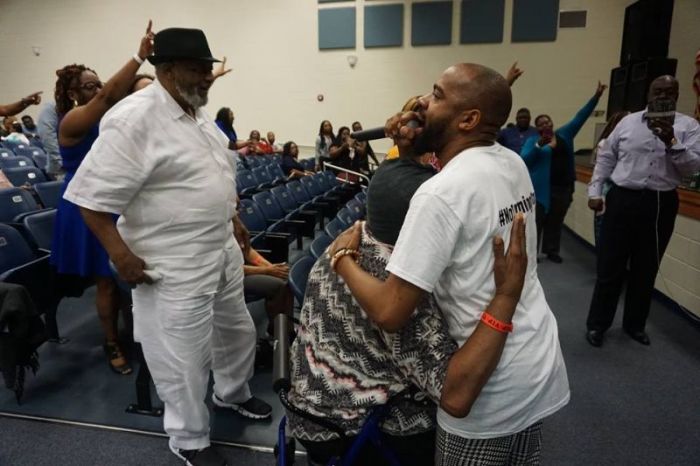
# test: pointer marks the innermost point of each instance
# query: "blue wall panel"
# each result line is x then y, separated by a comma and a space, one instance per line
431, 23
336, 28
481, 21
384, 26
535, 20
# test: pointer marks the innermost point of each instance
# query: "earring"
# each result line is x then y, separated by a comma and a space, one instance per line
75, 103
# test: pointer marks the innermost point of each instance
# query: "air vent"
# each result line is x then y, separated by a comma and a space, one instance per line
572, 19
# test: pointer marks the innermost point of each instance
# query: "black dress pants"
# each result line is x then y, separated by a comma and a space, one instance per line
549, 224
636, 229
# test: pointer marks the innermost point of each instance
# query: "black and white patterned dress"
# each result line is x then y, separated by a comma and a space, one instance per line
343, 364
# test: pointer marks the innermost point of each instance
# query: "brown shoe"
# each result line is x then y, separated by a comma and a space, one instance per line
117, 361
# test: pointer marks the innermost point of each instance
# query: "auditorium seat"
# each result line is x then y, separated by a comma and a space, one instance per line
20, 176
39, 226
299, 276
17, 161
49, 192
319, 245
15, 202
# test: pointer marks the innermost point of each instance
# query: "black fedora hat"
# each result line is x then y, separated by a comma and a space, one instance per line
180, 44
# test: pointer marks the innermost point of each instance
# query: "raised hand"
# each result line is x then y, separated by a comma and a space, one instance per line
600, 89
146, 45
33, 99
221, 69
513, 73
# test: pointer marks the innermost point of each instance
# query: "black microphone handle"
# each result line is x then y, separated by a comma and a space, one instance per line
376, 133
369, 134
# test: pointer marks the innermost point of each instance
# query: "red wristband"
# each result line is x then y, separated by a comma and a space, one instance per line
496, 324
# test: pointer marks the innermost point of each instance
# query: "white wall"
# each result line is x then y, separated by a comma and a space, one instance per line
278, 69
679, 276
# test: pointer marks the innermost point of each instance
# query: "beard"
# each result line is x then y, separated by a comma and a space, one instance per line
431, 139
191, 95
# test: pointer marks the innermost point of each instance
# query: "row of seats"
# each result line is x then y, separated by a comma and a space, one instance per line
353, 210
16, 202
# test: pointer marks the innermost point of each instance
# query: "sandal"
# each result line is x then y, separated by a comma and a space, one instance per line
117, 361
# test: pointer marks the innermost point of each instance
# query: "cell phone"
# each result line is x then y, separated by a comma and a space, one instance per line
661, 110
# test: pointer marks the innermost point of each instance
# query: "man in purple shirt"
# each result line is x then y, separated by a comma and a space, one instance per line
645, 158
515, 136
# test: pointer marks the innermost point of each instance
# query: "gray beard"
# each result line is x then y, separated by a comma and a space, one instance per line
192, 98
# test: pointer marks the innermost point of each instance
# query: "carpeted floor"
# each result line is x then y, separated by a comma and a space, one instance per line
630, 404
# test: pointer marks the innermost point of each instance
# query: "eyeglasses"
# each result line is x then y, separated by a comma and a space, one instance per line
91, 85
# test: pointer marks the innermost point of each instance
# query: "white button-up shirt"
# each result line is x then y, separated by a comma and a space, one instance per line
171, 178
635, 158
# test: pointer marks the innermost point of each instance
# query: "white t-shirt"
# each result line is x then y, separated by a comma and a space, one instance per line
445, 247
172, 180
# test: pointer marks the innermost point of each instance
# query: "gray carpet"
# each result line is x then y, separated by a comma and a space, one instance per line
630, 404
32, 443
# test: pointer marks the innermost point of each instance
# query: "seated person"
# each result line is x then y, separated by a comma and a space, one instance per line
254, 146
274, 148
290, 165
330, 381
29, 127
14, 131
262, 278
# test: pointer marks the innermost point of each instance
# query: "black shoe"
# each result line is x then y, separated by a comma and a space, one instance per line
554, 257
595, 338
254, 408
639, 335
205, 457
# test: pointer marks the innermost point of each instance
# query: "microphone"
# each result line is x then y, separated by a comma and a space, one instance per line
376, 133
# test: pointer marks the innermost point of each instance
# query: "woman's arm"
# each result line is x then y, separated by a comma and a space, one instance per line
77, 122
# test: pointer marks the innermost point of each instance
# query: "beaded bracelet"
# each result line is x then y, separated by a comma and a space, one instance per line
496, 324
342, 253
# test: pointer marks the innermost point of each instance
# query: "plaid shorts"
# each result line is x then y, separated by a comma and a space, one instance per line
521, 449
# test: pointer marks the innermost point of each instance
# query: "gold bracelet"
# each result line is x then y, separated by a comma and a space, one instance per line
342, 253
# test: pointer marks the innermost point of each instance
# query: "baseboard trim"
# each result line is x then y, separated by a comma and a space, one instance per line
658, 295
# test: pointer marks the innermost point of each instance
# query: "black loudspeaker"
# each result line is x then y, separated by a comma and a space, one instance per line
640, 77
629, 84
647, 30
617, 90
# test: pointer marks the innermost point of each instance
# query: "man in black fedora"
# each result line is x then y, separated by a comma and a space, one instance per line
163, 166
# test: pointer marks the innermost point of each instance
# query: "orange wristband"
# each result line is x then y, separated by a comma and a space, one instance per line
496, 324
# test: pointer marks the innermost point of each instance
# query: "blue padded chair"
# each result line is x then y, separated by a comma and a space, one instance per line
49, 193
15, 202
345, 217
361, 197
319, 245
17, 161
246, 183
265, 181
263, 237
19, 176
298, 223
299, 276
5, 152
357, 209
28, 151
21, 266
276, 172
39, 225
41, 160
334, 228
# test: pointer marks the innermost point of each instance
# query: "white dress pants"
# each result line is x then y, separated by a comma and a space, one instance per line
183, 338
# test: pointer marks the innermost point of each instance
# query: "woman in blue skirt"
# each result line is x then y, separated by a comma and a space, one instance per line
81, 101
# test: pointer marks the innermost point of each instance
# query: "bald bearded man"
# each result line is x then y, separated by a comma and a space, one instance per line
445, 248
